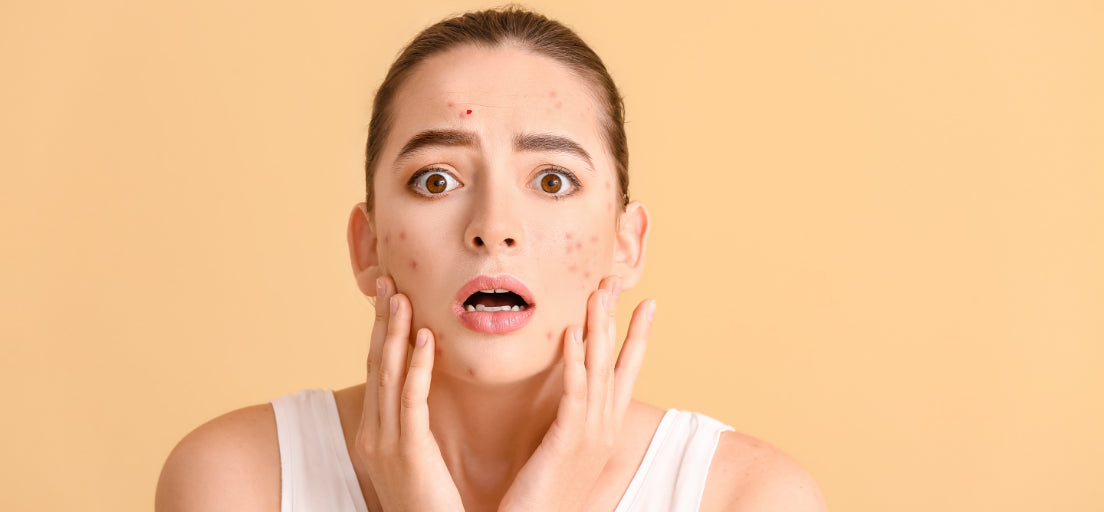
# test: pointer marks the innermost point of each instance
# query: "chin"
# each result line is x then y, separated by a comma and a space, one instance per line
496, 360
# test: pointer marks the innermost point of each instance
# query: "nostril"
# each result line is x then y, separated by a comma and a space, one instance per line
478, 242
509, 242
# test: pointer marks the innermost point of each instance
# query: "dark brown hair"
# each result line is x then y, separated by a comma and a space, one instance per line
497, 27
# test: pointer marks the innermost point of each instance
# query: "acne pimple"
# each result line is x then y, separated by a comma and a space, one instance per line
578, 245
451, 104
413, 265
569, 235
586, 274
552, 94
573, 269
594, 238
387, 238
559, 104
471, 372
548, 335
402, 235
468, 112
607, 185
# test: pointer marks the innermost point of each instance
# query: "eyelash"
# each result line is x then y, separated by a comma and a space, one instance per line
412, 184
576, 185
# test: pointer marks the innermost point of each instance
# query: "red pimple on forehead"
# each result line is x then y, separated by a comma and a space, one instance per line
468, 112
451, 104
573, 269
559, 104
593, 238
548, 335
402, 235
586, 274
552, 94
413, 265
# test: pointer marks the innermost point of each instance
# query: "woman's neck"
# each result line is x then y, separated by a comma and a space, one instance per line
487, 432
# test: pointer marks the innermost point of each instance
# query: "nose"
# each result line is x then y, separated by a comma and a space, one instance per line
495, 223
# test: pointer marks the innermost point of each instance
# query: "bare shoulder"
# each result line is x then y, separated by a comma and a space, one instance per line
750, 474
229, 463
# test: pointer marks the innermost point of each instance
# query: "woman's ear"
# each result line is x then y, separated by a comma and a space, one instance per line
362, 249
630, 244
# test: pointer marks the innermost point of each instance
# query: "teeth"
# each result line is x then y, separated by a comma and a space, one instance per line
491, 309
495, 290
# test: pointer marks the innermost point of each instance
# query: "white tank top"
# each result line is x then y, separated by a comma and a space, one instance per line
317, 474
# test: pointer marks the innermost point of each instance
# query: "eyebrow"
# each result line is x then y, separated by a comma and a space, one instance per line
522, 142
430, 138
553, 143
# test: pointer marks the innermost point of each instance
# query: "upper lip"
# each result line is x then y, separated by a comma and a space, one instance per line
503, 281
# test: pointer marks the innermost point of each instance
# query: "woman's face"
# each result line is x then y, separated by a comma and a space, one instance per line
496, 175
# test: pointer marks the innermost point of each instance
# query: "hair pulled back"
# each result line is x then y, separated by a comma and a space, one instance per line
497, 27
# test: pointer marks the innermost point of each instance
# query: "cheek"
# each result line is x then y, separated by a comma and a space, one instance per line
583, 257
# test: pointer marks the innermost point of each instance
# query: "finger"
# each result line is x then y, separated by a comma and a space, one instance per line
393, 366
370, 413
615, 294
632, 355
573, 404
414, 412
599, 362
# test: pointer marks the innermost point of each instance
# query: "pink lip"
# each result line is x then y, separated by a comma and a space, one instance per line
494, 322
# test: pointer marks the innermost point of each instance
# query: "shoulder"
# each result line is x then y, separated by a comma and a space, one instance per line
229, 463
750, 474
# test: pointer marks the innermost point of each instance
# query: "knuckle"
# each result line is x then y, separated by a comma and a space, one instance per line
409, 399
365, 446
387, 377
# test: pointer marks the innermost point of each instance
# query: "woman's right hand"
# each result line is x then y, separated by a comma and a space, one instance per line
394, 440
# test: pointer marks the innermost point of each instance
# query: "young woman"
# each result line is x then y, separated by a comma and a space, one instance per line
496, 237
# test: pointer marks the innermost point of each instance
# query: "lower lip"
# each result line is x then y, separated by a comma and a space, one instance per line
494, 322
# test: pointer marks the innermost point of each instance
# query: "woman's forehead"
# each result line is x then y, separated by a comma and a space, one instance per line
498, 93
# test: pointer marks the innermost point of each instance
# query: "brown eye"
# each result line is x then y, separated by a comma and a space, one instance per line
556, 182
436, 183
433, 182
551, 183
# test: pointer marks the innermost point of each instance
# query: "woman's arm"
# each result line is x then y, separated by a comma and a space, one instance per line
230, 463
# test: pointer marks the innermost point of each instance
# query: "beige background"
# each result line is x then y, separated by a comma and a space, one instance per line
877, 236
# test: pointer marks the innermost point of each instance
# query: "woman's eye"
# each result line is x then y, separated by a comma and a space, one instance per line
556, 182
433, 182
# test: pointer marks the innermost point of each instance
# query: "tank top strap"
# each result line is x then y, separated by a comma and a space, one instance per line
315, 470
673, 473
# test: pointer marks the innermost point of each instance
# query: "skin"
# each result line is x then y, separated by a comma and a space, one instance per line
450, 418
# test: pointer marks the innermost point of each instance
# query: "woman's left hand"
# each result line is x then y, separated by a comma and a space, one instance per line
584, 435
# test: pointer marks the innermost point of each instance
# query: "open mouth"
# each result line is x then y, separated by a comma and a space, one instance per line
494, 304
495, 299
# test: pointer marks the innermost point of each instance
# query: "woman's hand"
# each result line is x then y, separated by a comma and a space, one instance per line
584, 435
394, 440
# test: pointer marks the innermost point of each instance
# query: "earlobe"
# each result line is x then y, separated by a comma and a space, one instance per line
631, 243
362, 249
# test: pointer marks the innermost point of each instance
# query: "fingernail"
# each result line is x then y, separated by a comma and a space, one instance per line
379, 287
422, 339
578, 334
394, 304
607, 301
651, 310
